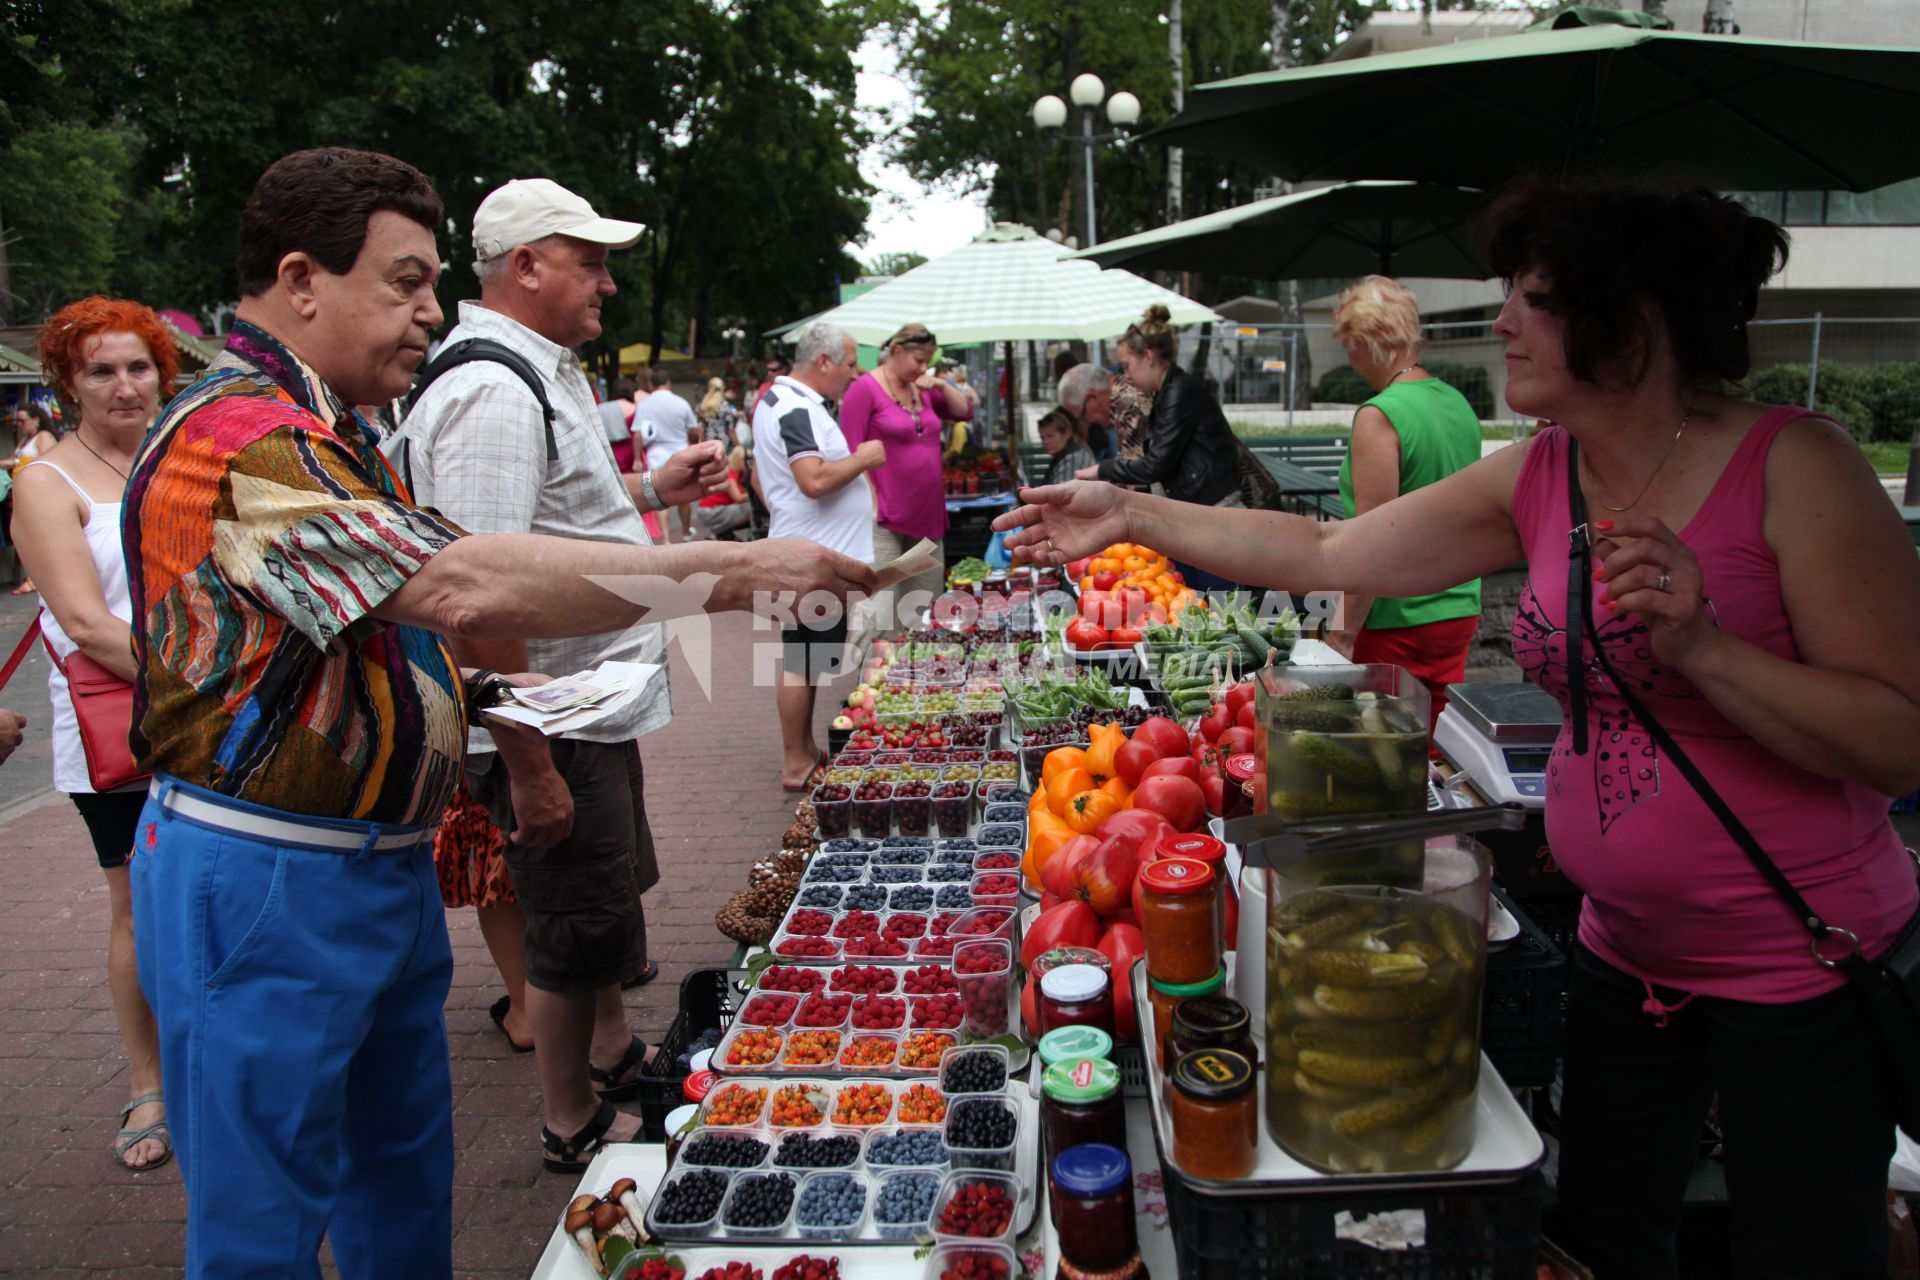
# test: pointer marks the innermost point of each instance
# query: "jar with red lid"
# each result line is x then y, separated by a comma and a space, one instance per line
1245, 790
1180, 920
1207, 849
1076, 995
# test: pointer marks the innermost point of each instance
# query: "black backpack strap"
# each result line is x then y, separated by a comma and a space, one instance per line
470, 350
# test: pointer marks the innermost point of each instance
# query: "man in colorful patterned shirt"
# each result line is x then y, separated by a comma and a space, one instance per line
305, 724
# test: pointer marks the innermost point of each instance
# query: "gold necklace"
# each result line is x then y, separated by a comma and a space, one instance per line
1684, 419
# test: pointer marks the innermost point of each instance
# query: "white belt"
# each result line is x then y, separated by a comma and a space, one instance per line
284, 830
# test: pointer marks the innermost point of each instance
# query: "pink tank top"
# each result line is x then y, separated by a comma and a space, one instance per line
1670, 898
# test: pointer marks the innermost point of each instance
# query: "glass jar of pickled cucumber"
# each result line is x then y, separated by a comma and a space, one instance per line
1342, 741
1375, 963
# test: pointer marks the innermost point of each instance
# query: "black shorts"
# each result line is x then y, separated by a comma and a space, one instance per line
112, 818
585, 925
815, 650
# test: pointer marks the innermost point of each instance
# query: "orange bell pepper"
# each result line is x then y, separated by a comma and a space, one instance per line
1107, 739
1060, 759
1064, 786
1117, 787
1087, 810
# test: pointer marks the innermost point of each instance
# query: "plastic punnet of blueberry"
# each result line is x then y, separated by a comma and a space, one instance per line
761, 1200
693, 1197
896, 875
954, 895
948, 872
836, 1200
848, 859
812, 1151
834, 875
980, 1124
907, 842
911, 897
961, 844
821, 895
1000, 836
866, 897
724, 1150
849, 844
905, 1199
978, 1072
918, 1148
901, 857
1004, 813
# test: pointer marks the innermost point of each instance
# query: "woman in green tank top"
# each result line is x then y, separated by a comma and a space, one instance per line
1415, 430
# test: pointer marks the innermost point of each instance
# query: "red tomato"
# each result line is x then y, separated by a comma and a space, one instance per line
1104, 878
1164, 734
1123, 944
1213, 787
1084, 635
1048, 900
1240, 695
1056, 877
1144, 826
1091, 602
1133, 758
1104, 580
1181, 766
1245, 716
1133, 602
1029, 1013
1179, 800
1208, 758
1238, 740
1125, 637
1077, 569
1071, 924
1214, 723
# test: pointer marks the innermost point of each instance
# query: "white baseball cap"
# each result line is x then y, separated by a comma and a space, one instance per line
528, 209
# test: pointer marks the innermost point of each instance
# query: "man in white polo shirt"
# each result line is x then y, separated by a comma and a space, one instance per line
814, 487
663, 424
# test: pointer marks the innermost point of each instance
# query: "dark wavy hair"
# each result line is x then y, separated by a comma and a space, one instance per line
1606, 252
319, 202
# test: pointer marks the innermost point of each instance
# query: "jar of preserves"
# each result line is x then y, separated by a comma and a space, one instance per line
1076, 995
1245, 791
1210, 1022
1215, 1114
1179, 920
1162, 997
1072, 1044
1094, 1182
1080, 1102
1204, 848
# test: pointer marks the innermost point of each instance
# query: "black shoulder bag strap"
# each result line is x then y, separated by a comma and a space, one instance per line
1856, 966
470, 350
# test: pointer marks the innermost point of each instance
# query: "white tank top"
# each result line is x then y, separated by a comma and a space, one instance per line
102, 529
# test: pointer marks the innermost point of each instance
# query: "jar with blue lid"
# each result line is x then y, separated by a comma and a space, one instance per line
1094, 1185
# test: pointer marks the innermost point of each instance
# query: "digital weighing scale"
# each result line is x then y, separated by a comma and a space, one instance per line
1500, 736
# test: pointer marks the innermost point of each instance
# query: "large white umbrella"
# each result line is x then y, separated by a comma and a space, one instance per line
1007, 285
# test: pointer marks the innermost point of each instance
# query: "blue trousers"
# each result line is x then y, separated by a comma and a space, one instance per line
300, 994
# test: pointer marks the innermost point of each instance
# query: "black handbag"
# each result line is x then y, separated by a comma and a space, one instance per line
1889, 984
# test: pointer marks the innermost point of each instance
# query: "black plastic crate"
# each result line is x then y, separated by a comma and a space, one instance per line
1524, 1006
1476, 1230
1555, 915
706, 1000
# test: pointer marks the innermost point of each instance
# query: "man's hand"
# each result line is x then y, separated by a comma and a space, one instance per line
542, 805
870, 454
12, 730
691, 474
1088, 473
1062, 522
796, 566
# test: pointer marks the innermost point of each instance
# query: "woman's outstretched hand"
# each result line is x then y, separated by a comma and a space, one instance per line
1063, 522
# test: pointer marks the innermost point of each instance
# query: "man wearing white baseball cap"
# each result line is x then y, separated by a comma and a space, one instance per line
483, 451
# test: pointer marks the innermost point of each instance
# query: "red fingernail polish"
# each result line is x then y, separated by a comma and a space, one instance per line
1603, 524
1612, 604
1598, 573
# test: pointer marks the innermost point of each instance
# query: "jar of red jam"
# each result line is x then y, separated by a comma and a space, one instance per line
1163, 997
1204, 848
1094, 1182
1180, 920
1210, 1022
1215, 1115
1076, 995
1245, 787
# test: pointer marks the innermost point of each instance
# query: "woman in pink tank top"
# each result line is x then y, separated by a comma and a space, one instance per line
1759, 595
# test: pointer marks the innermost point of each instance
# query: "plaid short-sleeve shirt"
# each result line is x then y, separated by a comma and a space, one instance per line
262, 527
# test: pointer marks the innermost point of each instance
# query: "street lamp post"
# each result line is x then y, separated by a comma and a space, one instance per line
1087, 92
733, 334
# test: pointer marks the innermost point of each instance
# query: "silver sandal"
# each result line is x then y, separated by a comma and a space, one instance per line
127, 1138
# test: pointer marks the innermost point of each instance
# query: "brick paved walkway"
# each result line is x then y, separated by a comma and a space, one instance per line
65, 1206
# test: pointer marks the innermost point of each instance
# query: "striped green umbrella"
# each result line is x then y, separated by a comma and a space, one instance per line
1395, 228
1734, 113
1007, 285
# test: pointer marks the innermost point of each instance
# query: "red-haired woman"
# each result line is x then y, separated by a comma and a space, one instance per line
114, 359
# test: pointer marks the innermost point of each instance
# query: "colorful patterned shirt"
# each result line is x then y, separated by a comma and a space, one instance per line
1132, 412
263, 526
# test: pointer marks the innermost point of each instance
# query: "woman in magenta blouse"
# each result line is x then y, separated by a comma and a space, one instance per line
1756, 592
903, 404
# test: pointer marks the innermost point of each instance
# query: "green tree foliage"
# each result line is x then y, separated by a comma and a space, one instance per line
894, 264
725, 125
65, 217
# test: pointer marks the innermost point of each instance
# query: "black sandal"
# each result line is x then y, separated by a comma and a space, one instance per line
571, 1155
641, 979
498, 1012
609, 1085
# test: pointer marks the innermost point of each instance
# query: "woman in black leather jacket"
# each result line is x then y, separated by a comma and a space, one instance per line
1190, 452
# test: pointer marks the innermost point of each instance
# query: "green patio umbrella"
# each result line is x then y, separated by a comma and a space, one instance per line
1395, 228
1733, 113
1008, 284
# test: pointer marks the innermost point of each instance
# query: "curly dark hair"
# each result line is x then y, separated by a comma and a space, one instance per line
319, 202
1606, 252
